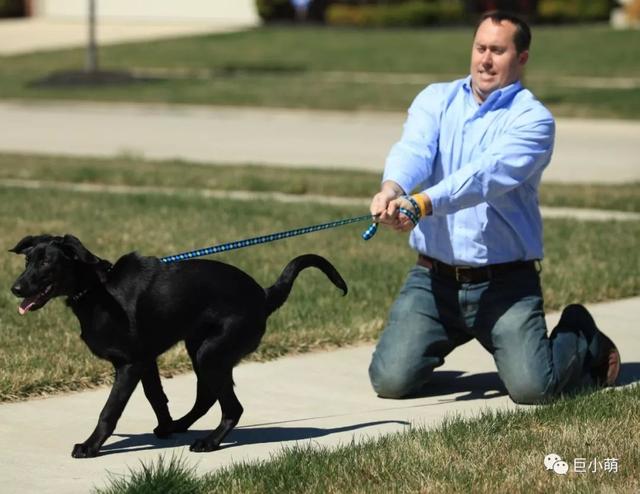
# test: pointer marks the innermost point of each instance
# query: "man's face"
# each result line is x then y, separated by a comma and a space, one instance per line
495, 62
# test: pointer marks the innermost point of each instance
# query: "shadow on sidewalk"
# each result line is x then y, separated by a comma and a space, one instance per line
629, 373
237, 437
488, 385
479, 386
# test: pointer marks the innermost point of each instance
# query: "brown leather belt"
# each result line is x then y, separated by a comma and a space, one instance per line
470, 274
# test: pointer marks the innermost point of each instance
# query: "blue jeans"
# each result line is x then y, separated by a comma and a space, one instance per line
433, 315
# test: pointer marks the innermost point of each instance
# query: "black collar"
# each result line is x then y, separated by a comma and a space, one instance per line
76, 298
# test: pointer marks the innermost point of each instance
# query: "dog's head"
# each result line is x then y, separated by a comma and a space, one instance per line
55, 266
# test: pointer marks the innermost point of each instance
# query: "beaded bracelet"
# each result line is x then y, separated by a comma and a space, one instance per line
416, 207
409, 214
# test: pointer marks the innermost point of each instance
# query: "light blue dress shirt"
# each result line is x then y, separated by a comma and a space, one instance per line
481, 165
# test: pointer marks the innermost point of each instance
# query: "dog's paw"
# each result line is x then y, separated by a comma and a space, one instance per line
84, 451
163, 431
180, 426
203, 446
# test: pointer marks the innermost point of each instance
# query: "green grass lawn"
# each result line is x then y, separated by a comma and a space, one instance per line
185, 176
322, 68
496, 452
582, 263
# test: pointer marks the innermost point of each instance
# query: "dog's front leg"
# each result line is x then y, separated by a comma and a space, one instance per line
157, 399
127, 378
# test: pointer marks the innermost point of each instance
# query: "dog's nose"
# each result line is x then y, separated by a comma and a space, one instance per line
16, 289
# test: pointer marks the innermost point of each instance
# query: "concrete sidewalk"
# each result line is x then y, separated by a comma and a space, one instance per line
586, 150
322, 399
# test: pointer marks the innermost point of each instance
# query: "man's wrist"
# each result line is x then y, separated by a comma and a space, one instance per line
392, 188
424, 203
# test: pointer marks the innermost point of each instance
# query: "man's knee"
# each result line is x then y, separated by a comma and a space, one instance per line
392, 381
530, 392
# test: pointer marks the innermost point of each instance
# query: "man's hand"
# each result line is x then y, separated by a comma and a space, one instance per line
386, 204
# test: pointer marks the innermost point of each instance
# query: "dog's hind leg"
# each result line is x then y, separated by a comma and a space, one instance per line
204, 398
127, 378
204, 401
231, 413
158, 400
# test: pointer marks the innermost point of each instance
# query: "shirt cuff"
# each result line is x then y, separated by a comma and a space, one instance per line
439, 199
404, 180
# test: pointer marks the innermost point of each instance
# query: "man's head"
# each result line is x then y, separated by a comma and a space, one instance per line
500, 51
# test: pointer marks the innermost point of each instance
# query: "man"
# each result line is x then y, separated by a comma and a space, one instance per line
475, 150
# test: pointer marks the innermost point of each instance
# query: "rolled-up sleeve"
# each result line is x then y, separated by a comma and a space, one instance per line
410, 160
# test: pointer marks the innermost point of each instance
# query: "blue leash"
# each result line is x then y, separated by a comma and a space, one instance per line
271, 237
366, 235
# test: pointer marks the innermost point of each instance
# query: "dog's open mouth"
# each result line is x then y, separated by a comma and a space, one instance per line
35, 302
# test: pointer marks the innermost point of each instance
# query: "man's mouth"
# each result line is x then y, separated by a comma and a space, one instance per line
34, 302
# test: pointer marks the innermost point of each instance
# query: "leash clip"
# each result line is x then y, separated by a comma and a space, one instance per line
370, 232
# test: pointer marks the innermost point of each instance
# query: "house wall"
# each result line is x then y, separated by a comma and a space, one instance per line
165, 11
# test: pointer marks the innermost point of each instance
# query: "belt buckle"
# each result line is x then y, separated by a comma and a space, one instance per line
460, 274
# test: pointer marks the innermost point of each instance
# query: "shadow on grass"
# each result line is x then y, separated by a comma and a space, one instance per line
105, 78
262, 69
80, 78
237, 437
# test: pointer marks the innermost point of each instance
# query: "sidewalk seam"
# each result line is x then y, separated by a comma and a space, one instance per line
581, 214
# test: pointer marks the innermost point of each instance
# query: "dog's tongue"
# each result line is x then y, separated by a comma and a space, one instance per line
26, 304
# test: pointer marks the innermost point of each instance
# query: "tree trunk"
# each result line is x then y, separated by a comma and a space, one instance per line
91, 64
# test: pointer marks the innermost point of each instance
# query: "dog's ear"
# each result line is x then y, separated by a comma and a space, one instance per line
73, 249
29, 242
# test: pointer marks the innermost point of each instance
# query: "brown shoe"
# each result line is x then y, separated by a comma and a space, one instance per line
606, 368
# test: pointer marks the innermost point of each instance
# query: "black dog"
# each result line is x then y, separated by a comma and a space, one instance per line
138, 308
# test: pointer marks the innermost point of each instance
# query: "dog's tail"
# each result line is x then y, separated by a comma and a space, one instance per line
278, 293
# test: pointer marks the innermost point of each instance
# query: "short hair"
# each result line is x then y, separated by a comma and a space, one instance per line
522, 36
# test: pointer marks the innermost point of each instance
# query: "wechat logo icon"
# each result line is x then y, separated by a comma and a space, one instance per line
554, 462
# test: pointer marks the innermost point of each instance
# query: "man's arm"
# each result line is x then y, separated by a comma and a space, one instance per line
507, 163
410, 159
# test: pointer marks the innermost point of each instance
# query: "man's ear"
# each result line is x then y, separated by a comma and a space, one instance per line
73, 249
523, 57
29, 242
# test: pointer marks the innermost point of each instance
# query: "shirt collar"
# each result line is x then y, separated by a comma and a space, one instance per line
499, 97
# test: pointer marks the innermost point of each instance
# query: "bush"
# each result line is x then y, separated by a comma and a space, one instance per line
406, 14
573, 10
632, 10
11, 8
525, 8
270, 10
282, 10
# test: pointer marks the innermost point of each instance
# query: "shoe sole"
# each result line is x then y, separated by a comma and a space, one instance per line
613, 369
